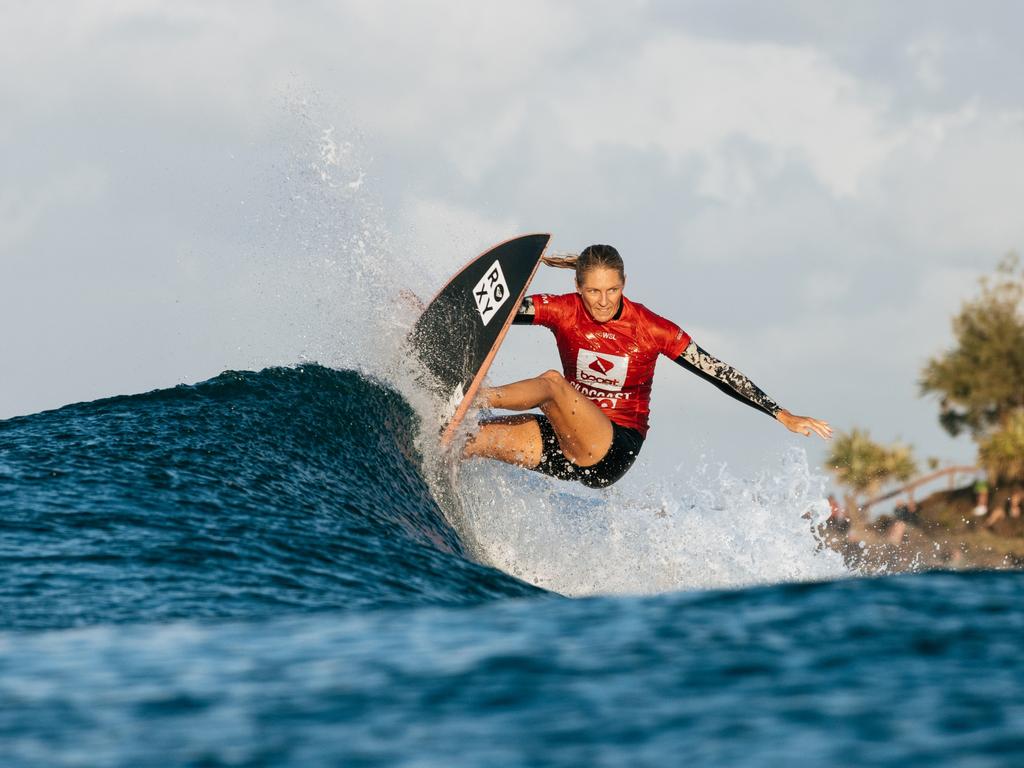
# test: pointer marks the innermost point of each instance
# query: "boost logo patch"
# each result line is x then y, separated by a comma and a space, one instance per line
491, 292
601, 371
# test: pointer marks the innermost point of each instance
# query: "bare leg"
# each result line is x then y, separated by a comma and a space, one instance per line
512, 439
584, 432
997, 514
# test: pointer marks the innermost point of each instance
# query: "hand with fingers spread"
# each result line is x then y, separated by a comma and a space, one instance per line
805, 425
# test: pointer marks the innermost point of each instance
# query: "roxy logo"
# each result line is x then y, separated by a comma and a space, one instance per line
607, 372
491, 292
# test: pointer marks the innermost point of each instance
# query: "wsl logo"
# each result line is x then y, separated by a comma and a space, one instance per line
491, 292
601, 371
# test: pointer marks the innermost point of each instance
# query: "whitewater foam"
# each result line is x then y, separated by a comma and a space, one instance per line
697, 529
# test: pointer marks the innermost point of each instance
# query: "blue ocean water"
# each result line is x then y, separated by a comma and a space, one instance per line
262, 569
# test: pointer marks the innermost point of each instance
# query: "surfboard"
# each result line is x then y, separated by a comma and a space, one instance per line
460, 331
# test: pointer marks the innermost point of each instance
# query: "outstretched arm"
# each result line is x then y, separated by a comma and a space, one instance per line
738, 386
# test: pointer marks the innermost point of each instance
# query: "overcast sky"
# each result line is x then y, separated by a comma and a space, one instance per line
809, 188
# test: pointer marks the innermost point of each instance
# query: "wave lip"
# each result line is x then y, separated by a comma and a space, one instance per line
248, 494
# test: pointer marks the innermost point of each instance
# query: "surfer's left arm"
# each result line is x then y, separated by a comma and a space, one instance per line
526, 312
739, 387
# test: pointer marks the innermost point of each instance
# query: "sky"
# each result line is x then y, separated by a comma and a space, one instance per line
810, 189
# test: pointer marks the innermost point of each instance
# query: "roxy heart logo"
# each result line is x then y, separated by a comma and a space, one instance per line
491, 292
601, 371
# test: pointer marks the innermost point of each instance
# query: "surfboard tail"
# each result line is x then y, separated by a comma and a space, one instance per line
462, 328
474, 386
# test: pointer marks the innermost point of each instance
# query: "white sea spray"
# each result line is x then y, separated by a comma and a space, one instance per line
700, 528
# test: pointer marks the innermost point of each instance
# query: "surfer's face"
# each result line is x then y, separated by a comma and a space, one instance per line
601, 291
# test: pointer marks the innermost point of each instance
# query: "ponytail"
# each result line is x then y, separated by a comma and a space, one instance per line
593, 256
561, 260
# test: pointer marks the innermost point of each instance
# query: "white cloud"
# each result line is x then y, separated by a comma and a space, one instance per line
443, 235
926, 53
957, 184
24, 208
688, 98
113, 59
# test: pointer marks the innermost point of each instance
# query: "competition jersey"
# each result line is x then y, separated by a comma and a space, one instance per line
610, 363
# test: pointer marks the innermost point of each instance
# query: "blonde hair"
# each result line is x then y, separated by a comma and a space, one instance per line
592, 257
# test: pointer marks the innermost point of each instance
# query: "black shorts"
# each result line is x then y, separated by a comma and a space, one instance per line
625, 446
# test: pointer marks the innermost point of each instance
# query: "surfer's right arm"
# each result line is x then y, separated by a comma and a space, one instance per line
525, 314
738, 386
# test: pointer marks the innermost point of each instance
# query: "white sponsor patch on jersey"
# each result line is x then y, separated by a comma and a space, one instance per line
491, 292
601, 371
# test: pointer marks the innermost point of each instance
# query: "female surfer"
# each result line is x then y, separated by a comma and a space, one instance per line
593, 417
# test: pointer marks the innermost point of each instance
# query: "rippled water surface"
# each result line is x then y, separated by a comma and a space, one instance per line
263, 569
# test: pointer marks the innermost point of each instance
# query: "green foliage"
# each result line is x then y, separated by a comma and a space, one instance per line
855, 459
980, 381
1002, 452
899, 463
863, 465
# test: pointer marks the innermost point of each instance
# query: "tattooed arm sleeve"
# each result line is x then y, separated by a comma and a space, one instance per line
524, 315
726, 378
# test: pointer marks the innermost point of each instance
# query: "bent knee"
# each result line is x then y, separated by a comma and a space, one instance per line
554, 378
555, 382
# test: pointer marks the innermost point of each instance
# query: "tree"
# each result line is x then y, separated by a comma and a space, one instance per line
1002, 452
863, 466
899, 463
981, 379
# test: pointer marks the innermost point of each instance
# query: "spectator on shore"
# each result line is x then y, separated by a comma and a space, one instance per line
837, 519
981, 498
897, 532
998, 513
1012, 505
906, 513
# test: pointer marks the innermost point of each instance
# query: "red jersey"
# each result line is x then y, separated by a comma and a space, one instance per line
610, 363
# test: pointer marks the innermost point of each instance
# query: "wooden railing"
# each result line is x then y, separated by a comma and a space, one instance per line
922, 480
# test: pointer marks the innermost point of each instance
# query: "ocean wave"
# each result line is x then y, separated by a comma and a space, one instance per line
248, 494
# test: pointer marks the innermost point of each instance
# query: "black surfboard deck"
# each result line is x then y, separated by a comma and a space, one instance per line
460, 331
